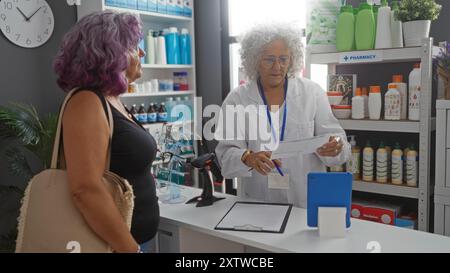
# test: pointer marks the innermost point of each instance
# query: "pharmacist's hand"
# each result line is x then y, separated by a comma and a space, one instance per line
261, 162
332, 149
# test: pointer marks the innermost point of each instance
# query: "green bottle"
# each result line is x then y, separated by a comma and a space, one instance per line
365, 28
355, 13
375, 15
345, 30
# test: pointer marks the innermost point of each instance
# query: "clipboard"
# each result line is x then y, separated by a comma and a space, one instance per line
256, 217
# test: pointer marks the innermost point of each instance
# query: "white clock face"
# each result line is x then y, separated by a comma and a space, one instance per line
26, 23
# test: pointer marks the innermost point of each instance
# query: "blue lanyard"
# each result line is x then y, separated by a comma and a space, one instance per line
263, 96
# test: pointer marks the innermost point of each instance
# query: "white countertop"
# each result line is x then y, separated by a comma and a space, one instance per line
297, 236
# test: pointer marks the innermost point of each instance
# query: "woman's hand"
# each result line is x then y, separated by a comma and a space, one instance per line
332, 149
261, 162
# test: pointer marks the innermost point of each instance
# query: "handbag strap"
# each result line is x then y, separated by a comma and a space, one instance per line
58, 151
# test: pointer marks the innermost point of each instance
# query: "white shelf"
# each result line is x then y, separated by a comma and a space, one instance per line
158, 94
167, 66
384, 125
394, 55
153, 16
386, 189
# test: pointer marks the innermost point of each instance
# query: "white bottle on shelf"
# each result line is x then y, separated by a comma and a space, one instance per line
414, 93
384, 36
382, 164
392, 103
375, 103
397, 165
368, 158
151, 50
402, 88
396, 27
354, 163
411, 167
365, 95
358, 105
161, 57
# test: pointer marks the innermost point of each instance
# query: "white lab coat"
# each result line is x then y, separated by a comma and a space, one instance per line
309, 114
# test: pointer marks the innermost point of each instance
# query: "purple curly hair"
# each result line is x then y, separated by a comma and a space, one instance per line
95, 52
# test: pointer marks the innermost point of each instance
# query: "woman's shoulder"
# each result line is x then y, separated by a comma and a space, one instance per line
85, 103
239, 94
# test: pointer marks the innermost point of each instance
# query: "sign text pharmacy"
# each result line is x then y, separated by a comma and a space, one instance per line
360, 57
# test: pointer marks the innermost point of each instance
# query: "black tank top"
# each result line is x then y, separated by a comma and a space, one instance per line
132, 154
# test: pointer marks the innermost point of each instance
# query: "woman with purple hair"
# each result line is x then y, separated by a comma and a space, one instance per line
100, 57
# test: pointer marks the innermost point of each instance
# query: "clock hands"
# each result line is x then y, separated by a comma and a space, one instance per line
34, 13
24, 16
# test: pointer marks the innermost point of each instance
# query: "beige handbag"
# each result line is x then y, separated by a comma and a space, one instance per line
49, 220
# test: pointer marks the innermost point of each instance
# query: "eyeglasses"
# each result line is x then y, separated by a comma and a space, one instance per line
269, 61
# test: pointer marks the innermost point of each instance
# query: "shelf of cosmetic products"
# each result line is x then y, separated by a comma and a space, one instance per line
153, 16
402, 126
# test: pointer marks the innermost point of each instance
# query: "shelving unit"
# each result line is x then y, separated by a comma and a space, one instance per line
154, 21
422, 128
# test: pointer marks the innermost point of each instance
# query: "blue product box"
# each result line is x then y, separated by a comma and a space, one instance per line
171, 7
187, 8
132, 4
162, 6
152, 5
142, 5
180, 8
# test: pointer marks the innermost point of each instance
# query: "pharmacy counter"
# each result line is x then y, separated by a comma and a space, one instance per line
186, 228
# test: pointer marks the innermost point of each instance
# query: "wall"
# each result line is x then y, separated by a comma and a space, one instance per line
26, 75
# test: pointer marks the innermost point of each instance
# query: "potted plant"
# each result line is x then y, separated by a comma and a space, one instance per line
417, 16
29, 137
442, 63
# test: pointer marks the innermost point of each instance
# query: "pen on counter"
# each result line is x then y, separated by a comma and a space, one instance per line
278, 168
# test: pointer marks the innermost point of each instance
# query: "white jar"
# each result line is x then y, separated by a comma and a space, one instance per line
384, 37
392, 103
402, 88
414, 93
375, 103
358, 110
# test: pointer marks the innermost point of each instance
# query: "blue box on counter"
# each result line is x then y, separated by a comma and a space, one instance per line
132, 4
152, 5
171, 7
142, 5
187, 8
162, 6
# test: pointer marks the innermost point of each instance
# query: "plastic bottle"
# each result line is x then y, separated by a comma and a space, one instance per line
392, 103
396, 27
134, 112
397, 165
384, 35
414, 93
152, 115
170, 104
365, 28
161, 57
188, 103
375, 15
142, 114
162, 113
375, 103
389, 164
180, 109
355, 14
405, 152
365, 95
411, 167
185, 46
382, 164
345, 30
173, 46
354, 163
368, 158
358, 105
402, 88
151, 51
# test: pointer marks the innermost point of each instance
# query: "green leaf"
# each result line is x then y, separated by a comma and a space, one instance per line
21, 122
18, 164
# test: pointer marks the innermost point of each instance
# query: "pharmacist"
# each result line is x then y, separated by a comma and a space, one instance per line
272, 55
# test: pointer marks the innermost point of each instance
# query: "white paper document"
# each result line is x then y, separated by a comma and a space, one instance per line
255, 217
304, 146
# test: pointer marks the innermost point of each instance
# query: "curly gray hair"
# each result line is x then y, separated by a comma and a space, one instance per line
254, 41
